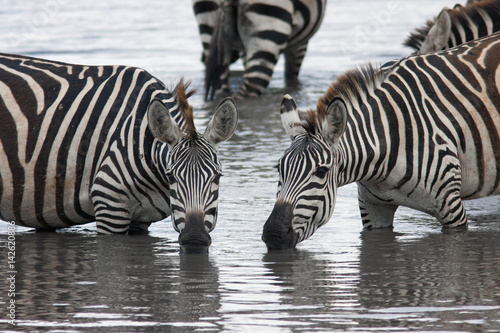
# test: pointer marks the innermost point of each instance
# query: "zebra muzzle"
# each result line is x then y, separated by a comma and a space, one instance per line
278, 231
194, 237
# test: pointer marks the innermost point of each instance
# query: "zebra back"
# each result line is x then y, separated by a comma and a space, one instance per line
59, 122
456, 26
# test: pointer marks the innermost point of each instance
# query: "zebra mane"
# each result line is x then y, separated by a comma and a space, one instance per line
469, 13
349, 86
182, 93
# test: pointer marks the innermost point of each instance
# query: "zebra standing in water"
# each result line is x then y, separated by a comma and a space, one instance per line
258, 31
425, 134
456, 26
108, 144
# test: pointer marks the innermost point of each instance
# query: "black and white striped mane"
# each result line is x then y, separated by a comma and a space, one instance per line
349, 86
459, 15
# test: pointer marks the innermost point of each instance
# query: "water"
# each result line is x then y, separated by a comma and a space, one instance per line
415, 277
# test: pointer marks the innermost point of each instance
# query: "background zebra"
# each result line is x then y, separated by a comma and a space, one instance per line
101, 143
258, 31
424, 134
456, 26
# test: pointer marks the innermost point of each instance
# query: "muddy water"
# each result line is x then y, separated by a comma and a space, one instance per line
414, 277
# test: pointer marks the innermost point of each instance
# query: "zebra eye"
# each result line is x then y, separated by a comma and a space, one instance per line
170, 178
321, 172
217, 177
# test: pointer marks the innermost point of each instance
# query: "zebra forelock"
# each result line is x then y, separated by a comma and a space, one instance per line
182, 94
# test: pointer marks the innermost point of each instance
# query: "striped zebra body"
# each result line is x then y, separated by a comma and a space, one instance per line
77, 145
258, 31
456, 26
425, 135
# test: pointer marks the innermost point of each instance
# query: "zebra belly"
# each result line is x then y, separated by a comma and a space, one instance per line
478, 183
480, 158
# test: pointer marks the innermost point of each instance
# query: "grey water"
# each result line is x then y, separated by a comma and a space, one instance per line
412, 278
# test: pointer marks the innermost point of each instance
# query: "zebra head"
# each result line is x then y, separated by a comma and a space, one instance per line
307, 175
192, 168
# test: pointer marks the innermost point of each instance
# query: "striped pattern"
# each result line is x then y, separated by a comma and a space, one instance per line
425, 134
307, 158
456, 26
76, 146
196, 182
259, 31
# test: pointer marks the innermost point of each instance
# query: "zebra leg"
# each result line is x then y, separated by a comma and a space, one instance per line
258, 72
446, 193
264, 28
293, 62
111, 217
453, 213
450, 210
375, 211
139, 227
111, 205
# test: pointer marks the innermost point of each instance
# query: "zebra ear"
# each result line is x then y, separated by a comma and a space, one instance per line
290, 117
335, 120
223, 123
438, 35
161, 123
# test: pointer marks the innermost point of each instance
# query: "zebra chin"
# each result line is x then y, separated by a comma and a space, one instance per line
278, 231
194, 237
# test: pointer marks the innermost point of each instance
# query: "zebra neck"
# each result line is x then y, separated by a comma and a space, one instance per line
362, 149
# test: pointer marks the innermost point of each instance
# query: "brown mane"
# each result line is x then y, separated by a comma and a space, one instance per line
182, 94
458, 14
349, 87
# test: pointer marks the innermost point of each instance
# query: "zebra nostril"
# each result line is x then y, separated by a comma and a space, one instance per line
194, 237
278, 232
195, 244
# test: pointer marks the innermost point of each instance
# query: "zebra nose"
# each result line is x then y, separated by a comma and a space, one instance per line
194, 237
278, 232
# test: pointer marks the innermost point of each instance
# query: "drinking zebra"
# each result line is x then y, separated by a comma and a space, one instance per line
258, 31
424, 134
456, 26
108, 144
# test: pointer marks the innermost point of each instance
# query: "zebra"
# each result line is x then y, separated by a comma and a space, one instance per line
109, 144
258, 31
425, 135
456, 26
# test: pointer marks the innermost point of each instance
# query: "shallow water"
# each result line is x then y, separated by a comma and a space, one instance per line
414, 277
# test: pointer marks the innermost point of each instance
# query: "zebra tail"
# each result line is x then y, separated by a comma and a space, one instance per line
221, 47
